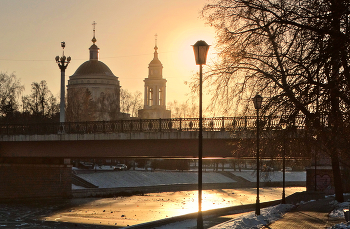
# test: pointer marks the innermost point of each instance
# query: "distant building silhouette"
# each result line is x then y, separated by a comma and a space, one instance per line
155, 91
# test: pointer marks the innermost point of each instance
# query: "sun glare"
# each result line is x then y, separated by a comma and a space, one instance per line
181, 43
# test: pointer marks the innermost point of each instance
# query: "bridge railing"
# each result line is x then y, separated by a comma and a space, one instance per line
149, 125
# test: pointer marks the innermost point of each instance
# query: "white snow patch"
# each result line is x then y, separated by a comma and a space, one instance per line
276, 176
245, 221
339, 213
250, 220
341, 226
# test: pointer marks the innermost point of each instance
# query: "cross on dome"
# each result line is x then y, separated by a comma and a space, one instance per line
94, 39
156, 39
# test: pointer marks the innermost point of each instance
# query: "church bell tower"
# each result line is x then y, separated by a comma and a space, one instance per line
155, 91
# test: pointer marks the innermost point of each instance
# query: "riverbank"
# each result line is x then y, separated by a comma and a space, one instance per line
112, 183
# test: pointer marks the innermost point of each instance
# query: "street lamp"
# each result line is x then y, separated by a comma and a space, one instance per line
200, 49
283, 124
62, 64
257, 104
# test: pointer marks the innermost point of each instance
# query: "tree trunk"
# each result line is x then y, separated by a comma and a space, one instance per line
337, 178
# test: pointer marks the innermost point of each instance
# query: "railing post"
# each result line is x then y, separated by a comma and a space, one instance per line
180, 124
160, 125
122, 126
140, 125
245, 122
86, 127
223, 124
103, 126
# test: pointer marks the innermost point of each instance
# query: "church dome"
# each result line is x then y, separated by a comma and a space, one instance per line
93, 67
155, 61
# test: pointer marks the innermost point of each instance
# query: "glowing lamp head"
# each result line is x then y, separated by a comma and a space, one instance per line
200, 49
257, 100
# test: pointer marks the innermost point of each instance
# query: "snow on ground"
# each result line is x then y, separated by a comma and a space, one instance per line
244, 221
250, 220
250, 175
339, 213
341, 226
146, 178
130, 178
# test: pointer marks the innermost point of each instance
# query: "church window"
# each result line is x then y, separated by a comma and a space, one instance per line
160, 96
150, 97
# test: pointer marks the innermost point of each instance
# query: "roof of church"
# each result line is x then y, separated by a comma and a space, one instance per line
155, 61
93, 46
155, 58
93, 67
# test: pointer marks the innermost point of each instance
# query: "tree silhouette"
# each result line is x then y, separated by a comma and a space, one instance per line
294, 53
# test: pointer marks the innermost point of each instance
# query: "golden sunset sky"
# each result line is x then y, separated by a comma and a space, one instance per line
32, 31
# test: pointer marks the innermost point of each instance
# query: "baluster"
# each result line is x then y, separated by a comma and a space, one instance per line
223, 124
180, 125
160, 125
140, 125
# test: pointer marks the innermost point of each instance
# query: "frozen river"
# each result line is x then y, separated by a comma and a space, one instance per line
124, 211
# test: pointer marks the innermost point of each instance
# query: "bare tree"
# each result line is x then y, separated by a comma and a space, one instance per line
41, 104
80, 106
10, 90
130, 102
108, 106
294, 52
188, 109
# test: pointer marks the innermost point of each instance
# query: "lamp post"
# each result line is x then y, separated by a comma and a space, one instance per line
257, 104
62, 64
200, 49
284, 127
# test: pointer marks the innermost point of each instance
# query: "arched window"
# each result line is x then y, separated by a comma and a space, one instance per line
160, 94
150, 97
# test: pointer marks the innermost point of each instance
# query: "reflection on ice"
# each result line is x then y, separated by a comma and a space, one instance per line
123, 211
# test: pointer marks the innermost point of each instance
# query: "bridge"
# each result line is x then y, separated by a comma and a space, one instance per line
130, 138
35, 159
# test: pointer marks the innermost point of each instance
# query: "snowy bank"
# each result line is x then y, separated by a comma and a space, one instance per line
250, 220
